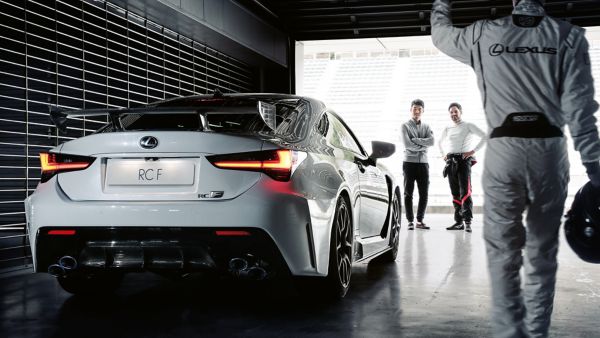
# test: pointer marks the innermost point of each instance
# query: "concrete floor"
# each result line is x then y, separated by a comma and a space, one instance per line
438, 287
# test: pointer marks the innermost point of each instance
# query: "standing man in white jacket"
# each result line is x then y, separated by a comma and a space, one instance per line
535, 76
456, 149
417, 137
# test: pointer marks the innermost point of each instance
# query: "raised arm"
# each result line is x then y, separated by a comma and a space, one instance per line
452, 41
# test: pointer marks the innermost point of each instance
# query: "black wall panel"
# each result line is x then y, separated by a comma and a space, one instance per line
88, 54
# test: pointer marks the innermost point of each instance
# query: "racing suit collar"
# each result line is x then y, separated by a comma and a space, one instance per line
529, 8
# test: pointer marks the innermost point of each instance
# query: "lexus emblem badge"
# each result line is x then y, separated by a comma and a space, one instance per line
148, 142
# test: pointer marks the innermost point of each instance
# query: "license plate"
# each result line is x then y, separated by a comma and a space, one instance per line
142, 172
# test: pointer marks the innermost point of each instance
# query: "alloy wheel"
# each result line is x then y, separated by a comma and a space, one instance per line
344, 244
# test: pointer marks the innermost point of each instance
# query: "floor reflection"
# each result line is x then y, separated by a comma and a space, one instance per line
438, 287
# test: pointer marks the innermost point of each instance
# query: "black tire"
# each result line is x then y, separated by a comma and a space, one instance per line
392, 253
91, 284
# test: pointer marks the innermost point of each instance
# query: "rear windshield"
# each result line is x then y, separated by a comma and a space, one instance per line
290, 122
292, 119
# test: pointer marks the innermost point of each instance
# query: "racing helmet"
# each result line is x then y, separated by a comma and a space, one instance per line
582, 225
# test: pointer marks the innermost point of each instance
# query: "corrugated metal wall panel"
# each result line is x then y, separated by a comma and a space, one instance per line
88, 54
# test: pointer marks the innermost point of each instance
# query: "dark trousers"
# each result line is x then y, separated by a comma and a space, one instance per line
418, 172
459, 177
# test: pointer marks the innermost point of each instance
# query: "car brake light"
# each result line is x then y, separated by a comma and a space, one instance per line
53, 163
278, 164
61, 232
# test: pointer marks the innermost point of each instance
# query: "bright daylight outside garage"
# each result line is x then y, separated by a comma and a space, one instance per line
219, 168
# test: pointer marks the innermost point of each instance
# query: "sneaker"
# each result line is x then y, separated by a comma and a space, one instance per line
456, 226
421, 225
467, 226
411, 226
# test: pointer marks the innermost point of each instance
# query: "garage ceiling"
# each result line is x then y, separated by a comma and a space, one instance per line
348, 19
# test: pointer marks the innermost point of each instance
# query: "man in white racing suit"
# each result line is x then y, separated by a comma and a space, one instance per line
534, 75
456, 149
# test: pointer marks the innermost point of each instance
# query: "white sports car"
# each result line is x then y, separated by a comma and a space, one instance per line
255, 185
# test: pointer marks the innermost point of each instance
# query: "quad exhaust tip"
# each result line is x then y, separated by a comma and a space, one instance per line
254, 273
65, 264
56, 270
68, 263
236, 265
240, 267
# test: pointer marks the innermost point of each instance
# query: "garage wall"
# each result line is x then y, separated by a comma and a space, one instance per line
84, 55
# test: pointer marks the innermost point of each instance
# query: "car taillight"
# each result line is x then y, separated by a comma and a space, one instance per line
278, 164
53, 163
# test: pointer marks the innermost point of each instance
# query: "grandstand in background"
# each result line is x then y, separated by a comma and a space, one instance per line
371, 82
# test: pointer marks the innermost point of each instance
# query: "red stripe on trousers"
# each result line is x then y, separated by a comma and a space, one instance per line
468, 191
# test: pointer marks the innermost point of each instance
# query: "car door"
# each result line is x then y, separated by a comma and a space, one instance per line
373, 192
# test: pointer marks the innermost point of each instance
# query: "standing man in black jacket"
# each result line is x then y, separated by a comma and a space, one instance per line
417, 137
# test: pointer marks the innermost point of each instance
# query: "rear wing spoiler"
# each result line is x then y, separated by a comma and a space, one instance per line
59, 116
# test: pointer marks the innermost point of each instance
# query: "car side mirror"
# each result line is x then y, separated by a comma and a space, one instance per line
382, 149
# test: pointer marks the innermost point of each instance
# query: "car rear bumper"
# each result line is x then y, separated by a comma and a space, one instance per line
174, 249
281, 218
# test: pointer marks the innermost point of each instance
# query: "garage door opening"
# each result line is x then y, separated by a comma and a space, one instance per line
371, 83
